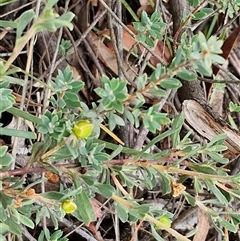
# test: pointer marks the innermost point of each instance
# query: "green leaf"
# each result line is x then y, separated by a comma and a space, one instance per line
195, 3
17, 133
158, 26
62, 153
154, 141
166, 187
134, 212
143, 208
140, 100
177, 125
5, 104
217, 148
53, 195
186, 75
155, 17
132, 217
101, 157
6, 24
65, 21
119, 107
57, 236
6, 160
129, 116
116, 152
25, 221
84, 210
26, 116
148, 179
218, 138
121, 94
141, 82
5, 200
3, 214
153, 33
202, 13
204, 69
114, 120
105, 189
4, 228
71, 99
88, 179
191, 200
234, 107
122, 212
144, 18
217, 227
41, 212
170, 83
50, 4
218, 194
15, 228
3, 150
155, 234
24, 20
149, 42
178, 57
77, 86
13, 80
138, 26
158, 92
217, 59
218, 158
126, 180
156, 74
203, 168
48, 21
235, 218
229, 226
197, 186
41, 236
114, 84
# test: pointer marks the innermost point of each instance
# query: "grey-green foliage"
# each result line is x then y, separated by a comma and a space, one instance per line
66, 89
149, 29
64, 46
113, 94
144, 168
232, 7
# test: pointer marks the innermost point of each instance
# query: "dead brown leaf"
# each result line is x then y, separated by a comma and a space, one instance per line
129, 43
107, 57
177, 188
202, 226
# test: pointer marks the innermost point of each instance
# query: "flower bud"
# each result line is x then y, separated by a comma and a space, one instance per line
69, 206
165, 221
82, 129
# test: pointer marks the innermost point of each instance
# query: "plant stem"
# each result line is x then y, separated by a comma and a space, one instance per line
57, 147
150, 219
